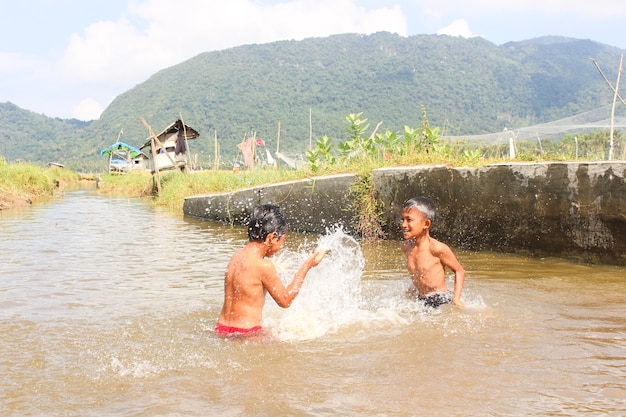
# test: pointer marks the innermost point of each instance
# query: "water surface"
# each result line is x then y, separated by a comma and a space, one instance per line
107, 306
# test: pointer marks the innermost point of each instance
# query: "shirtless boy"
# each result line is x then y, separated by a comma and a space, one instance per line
250, 274
427, 258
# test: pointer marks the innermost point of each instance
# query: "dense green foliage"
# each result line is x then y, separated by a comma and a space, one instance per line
33, 137
467, 86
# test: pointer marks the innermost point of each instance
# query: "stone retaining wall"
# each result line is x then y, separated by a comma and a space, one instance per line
310, 205
573, 210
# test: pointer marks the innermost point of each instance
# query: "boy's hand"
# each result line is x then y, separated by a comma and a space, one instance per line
317, 257
458, 302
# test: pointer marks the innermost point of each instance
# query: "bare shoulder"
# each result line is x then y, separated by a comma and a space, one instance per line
438, 248
407, 245
266, 271
266, 266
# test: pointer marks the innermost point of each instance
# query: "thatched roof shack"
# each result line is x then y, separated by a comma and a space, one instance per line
170, 147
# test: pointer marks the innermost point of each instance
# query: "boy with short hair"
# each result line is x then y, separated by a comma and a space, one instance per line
427, 258
250, 274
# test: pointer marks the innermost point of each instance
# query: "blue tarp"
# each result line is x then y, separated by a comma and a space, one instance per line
122, 146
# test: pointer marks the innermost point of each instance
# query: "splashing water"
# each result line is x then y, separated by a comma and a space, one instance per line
330, 296
334, 296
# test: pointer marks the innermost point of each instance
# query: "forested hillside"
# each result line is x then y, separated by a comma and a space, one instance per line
466, 86
33, 137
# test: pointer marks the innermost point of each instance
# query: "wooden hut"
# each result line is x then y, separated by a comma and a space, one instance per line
124, 158
169, 149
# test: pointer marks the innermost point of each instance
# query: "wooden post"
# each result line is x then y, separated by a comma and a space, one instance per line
253, 149
612, 140
278, 139
156, 165
310, 130
154, 141
158, 142
217, 153
277, 143
616, 96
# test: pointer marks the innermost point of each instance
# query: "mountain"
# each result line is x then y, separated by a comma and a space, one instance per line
466, 86
33, 137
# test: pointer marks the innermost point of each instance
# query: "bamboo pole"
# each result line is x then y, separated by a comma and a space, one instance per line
615, 97
154, 141
277, 144
612, 139
607, 80
253, 150
158, 142
376, 129
119, 135
156, 165
235, 162
217, 153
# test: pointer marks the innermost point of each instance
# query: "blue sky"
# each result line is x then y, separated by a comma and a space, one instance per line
71, 58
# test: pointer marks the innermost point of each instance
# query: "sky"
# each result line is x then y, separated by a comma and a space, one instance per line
71, 58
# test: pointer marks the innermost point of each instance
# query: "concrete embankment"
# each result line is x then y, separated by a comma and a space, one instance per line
575, 210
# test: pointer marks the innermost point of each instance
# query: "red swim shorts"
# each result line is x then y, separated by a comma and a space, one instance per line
228, 331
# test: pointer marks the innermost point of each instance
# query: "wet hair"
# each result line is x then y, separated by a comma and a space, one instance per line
266, 219
423, 204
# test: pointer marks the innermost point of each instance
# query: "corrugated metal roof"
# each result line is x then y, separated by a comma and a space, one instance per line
122, 146
190, 133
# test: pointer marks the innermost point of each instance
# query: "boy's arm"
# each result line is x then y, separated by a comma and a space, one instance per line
284, 296
412, 290
448, 259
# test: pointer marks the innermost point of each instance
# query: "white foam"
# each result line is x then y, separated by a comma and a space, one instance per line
334, 296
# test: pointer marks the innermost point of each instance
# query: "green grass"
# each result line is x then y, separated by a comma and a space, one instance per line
31, 182
133, 184
413, 147
176, 185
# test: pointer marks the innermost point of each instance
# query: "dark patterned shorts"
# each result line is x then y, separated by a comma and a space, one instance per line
436, 299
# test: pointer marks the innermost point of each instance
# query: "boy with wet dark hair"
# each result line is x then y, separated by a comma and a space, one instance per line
427, 258
250, 274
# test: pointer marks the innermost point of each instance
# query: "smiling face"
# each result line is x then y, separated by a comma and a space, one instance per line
413, 223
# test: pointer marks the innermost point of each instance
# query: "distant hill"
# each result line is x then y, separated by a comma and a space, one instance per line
33, 137
467, 86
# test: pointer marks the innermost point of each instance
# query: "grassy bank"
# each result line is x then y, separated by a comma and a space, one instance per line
360, 152
23, 183
175, 186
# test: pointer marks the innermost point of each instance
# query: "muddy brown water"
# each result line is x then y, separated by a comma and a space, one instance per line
107, 306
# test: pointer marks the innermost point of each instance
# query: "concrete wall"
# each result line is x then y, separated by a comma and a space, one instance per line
572, 210
310, 205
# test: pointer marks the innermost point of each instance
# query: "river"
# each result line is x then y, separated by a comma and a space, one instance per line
107, 305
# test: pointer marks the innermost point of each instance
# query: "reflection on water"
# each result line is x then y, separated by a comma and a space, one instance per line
106, 307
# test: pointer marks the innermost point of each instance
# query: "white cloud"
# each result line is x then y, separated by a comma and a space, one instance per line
457, 28
595, 9
87, 109
175, 31
156, 34
108, 57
